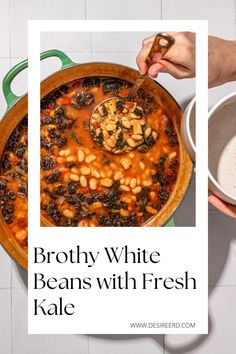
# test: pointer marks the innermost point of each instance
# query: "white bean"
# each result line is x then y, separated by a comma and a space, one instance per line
127, 180
107, 147
137, 137
60, 159
131, 155
85, 170
151, 210
110, 143
90, 158
71, 158
131, 142
137, 129
125, 188
96, 173
124, 212
147, 182
148, 132
68, 213
74, 177
65, 152
126, 163
21, 235
93, 183
80, 155
75, 170
118, 175
172, 155
83, 181
133, 183
110, 127
137, 190
106, 182
141, 165
126, 123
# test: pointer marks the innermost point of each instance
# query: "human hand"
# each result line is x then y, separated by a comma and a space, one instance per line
223, 207
179, 61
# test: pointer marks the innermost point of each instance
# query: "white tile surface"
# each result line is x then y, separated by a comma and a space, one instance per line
24, 10
222, 250
67, 42
5, 322
4, 67
220, 14
19, 277
127, 344
38, 344
127, 59
118, 41
19, 83
123, 9
4, 28
182, 90
5, 270
221, 338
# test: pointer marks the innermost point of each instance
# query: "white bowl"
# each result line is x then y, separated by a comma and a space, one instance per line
222, 149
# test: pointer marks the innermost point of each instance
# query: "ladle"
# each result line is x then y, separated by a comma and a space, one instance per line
102, 118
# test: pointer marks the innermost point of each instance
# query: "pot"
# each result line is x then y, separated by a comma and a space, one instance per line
17, 109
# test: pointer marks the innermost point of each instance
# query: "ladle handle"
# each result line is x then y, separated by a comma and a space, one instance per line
161, 44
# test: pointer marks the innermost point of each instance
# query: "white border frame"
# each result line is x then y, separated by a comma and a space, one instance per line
201, 28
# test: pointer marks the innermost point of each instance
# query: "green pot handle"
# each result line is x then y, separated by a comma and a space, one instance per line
170, 223
10, 97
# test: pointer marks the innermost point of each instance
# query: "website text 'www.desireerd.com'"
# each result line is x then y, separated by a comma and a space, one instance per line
162, 324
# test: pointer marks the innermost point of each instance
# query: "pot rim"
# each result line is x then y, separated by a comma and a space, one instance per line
89, 63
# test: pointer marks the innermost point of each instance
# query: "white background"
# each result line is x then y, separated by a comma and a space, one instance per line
111, 311
222, 246
98, 316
